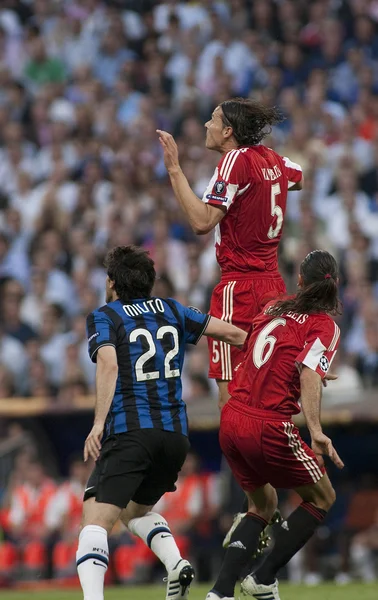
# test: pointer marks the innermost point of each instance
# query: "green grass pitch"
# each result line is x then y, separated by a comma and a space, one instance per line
288, 592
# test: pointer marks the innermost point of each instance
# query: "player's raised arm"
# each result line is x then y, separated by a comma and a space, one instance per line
202, 217
225, 332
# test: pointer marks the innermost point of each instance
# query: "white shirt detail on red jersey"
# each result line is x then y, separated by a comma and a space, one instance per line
294, 172
317, 356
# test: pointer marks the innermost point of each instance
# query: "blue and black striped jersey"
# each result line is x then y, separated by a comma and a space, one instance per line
149, 336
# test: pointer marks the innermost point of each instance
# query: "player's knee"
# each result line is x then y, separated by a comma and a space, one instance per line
326, 500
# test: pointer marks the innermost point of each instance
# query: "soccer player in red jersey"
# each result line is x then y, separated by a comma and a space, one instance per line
245, 202
288, 354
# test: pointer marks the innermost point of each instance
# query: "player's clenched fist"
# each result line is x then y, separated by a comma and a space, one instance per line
171, 158
92, 445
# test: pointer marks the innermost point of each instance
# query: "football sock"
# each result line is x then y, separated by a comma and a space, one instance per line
154, 530
92, 559
243, 543
292, 535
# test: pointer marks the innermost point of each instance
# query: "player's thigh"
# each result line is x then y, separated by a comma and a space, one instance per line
239, 438
321, 493
134, 511
167, 461
266, 290
289, 462
230, 302
122, 466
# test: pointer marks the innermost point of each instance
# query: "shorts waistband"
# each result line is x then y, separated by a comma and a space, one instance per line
245, 276
257, 413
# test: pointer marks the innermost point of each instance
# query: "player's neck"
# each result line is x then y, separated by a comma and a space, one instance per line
228, 146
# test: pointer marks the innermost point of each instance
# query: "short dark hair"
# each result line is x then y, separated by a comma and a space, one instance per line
320, 287
250, 120
132, 270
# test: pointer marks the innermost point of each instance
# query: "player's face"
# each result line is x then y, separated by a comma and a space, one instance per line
214, 130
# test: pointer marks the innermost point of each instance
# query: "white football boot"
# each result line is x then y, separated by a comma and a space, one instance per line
179, 580
250, 587
237, 518
214, 596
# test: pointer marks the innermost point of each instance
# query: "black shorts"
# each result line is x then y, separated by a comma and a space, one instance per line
138, 465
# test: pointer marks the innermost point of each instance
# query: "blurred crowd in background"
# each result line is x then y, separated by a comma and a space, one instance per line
83, 87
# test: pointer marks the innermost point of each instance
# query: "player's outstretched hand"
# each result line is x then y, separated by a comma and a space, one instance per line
92, 445
322, 446
171, 156
329, 377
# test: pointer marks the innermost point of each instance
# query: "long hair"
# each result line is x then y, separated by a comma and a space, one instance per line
250, 120
319, 293
132, 270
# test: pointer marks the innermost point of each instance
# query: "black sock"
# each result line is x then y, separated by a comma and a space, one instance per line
243, 543
292, 535
245, 505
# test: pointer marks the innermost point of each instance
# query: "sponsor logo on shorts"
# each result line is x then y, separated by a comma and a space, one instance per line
324, 364
239, 545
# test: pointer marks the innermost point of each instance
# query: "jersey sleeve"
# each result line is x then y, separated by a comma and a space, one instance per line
100, 332
293, 172
320, 347
229, 181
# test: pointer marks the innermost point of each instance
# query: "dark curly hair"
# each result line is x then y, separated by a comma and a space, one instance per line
320, 288
132, 270
250, 120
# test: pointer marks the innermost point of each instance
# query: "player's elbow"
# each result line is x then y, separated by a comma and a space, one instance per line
201, 228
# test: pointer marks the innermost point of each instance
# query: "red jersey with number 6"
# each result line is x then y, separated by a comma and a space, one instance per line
251, 183
276, 350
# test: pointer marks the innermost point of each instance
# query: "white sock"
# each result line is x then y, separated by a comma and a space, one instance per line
154, 530
92, 558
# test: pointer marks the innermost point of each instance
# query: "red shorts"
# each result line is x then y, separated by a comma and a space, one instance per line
262, 447
238, 300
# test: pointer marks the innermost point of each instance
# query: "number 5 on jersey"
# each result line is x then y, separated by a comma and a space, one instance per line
276, 211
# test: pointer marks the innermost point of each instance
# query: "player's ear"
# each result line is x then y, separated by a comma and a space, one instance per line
227, 132
300, 281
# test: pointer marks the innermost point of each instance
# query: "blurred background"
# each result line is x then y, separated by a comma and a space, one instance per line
83, 86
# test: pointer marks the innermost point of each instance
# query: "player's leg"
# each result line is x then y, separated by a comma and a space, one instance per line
153, 528
292, 536
244, 540
122, 466
92, 557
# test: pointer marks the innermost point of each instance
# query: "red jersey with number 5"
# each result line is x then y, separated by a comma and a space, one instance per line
276, 350
251, 184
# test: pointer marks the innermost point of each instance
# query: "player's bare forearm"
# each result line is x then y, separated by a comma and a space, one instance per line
106, 379
202, 217
225, 332
311, 395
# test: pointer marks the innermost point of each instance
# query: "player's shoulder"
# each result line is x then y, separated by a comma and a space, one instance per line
232, 159
106, 311
323, 322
